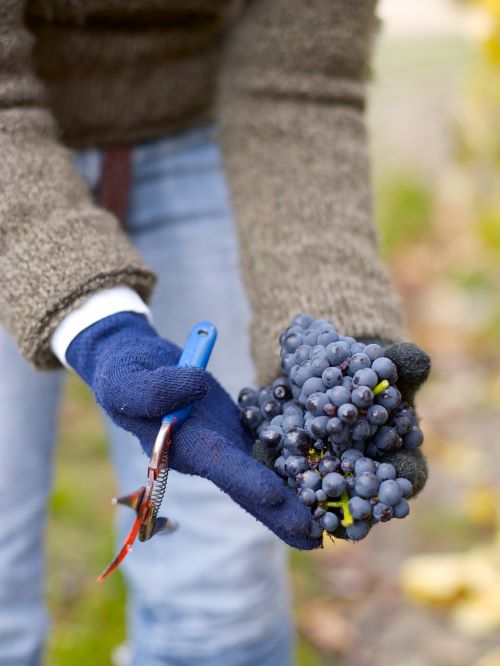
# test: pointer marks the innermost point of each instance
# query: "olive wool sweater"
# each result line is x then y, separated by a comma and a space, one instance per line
285, 80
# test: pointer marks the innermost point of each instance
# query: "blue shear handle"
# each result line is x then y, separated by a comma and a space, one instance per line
196, 354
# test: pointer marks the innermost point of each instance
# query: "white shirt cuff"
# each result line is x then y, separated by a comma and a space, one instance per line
98, 306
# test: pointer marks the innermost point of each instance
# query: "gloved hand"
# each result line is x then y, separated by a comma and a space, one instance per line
413, 367
132, 372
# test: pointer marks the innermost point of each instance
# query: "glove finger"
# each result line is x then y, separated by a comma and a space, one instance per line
412, 466
153, 393
413, 366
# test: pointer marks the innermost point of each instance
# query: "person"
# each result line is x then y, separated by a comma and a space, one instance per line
140, 111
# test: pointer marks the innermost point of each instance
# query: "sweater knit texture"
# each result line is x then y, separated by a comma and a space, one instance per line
286, 81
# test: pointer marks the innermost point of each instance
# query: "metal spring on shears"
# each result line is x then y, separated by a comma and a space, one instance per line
160, 482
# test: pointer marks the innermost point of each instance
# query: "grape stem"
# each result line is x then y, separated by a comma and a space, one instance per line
381, 386
342, 504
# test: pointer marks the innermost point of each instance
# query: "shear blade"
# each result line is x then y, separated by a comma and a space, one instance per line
133, 500
163, 526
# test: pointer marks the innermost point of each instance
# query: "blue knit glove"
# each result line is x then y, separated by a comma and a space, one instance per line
132, 372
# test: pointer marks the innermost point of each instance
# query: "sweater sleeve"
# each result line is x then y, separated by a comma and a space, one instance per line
56, 246
293, 132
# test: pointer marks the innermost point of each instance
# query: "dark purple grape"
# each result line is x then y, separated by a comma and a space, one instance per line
331, 377
373, 351
337, 353
297, 441
315, 530
389, 398
310, 479
387, 439
319, 365
292, 341
364, 465
413, 439
406, 487
356, 348
389, 492
247, 398
347, 413
279, 466
347, 383
365, 377
302, 353
329, 521
358, 362
329, 410
348, 459
321, 496
384, 367
318, 426
402, 424
338, 395
291, 421
377, 414
386, 471
327, 335
307, 496
335, 426
362, 397
270, 409
296, 465
271, 436
382, 512
287, 363
251, 417
361, 431
328, 465
401, 509
302, 373
310, 337
302, 320
358, 530
316, 403
281, 389
333, 484
359, 508
366, 485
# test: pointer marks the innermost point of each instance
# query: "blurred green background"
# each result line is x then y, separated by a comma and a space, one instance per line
425, 591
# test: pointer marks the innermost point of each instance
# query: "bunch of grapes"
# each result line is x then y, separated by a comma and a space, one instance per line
327, 424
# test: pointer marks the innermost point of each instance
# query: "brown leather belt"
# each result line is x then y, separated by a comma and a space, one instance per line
113, 192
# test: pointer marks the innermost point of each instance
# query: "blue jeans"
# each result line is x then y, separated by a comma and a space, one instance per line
215, 592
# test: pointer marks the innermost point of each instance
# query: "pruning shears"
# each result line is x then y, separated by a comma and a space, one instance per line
147, 500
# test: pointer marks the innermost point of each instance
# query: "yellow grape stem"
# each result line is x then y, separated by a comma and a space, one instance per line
381, 386
343, 505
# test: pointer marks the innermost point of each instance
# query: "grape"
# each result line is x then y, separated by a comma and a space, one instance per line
328, 431
413, 439
310, 479
366, 485
295, 465
270, 409
359, 508
251, 417
279, 465
316, 403
331, 377
338, 395
318, 426
382, 512
307, 496
365, 377
364, 465
347, 413
328, 465
271, 436
292, 341
386, 471
358, 530
302, 320
327, 336
377, 414
358, 362
389, 398
302, 353
362, 397
281, 389
337, 353
319, 365
406, 487
290, 421
247, 398
387, 439
401, 509
297, 441
361, 431
302, 373
329, 521
333, 484
373, 351
389, 492
384, 367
